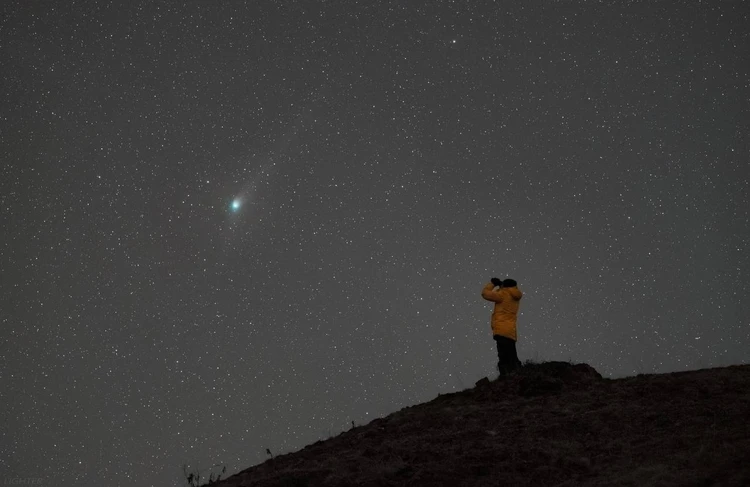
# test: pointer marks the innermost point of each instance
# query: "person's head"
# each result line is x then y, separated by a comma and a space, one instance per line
510, 283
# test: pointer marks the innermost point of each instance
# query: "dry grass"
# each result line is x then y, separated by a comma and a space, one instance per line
553, 424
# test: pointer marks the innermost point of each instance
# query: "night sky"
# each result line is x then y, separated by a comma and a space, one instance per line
229, 227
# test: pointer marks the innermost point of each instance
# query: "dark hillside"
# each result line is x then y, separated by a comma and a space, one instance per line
553, 424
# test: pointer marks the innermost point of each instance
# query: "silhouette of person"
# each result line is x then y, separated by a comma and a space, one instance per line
506, 296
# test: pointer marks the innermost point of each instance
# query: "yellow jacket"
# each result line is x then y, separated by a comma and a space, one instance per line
506, 301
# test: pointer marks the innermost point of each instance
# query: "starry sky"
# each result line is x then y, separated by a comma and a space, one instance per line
232, 226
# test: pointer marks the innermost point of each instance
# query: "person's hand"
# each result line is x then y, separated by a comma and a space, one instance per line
496, 282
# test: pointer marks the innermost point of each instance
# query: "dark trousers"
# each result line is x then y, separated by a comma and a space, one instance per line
507, 358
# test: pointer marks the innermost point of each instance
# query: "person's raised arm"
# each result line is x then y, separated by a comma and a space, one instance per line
489, 293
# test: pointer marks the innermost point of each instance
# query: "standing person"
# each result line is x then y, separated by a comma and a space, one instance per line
506, 296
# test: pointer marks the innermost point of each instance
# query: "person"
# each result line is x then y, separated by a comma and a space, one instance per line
506, 296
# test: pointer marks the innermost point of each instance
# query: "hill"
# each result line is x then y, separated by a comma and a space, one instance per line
554, 423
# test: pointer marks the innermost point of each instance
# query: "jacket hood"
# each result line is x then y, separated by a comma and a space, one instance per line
515, 292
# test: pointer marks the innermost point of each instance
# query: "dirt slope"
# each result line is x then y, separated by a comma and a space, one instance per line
553, 424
